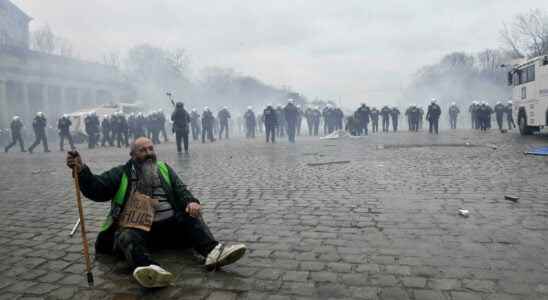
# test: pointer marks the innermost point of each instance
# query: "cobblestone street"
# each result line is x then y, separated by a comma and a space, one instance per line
382, 223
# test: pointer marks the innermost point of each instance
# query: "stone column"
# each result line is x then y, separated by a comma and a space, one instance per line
4, 117
48, 107
78, 105
62, 99
28, 111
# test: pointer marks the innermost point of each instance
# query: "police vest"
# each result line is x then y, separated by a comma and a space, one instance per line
120, 197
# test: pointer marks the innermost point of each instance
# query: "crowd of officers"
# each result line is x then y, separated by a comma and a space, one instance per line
480, 114
116, 129
274, 122
358, 123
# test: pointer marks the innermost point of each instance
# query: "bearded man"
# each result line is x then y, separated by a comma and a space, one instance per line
150, 208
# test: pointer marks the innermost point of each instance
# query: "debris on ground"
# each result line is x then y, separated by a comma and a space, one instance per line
380, 147
464, 212
328, 163
511, 198
542, 151
494, 147
337, 135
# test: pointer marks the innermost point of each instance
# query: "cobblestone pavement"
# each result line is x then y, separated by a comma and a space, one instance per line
383, 225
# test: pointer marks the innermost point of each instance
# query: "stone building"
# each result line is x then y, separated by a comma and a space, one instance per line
32, 81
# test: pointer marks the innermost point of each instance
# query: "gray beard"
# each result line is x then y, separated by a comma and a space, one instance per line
148, 177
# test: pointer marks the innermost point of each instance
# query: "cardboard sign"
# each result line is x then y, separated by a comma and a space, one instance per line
138, 212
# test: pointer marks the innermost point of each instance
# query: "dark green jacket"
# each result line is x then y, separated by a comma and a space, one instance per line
102, 188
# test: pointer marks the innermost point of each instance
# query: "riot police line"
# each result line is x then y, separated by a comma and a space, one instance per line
273, 122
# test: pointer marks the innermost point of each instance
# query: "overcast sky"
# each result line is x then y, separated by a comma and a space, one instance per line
344, 50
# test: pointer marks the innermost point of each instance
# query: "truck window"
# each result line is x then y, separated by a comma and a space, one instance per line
516, 79
528, 74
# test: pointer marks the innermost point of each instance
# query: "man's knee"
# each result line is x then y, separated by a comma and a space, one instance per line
126, 237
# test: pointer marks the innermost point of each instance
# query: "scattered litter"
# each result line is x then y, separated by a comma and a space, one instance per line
328, 163
464, 212
380, 147
543, 151
467, 143
336, 135
494, 147
511, 198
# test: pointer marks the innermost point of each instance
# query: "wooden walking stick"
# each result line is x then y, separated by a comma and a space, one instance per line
82, 225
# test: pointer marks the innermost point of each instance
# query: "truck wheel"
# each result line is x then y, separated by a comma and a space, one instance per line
523, 128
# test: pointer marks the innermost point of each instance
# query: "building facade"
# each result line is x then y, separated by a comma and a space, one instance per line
32, 81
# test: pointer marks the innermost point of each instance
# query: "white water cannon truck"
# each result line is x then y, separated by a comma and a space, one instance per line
529, 81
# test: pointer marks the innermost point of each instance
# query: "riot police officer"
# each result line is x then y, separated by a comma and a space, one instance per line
195, 124
139, 126
433, 116
223, 117
509, 116
92, 129
308, 117
63, 127
316, 119
338, 118
120, 129
362, 118
270, 123
300, 114
413, 116
500, 109
473, 110
374, 120
281, 125
291, 114
208, 121
181, 121
453, 115
106, 130
395, 113
161, 119
385, 114
16, 127
250, 123
482, 113
39, 126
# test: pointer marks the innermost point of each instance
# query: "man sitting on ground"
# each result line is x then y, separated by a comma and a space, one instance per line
150, 206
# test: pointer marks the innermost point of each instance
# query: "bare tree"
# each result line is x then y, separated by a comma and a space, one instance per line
527, 35
179, 60
64, 47
112, 59
43, 40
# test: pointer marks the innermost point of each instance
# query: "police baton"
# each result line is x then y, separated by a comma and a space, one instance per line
169, 95
75, 171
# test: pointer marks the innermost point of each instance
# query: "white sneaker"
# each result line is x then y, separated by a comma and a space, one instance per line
223, 255
153, 276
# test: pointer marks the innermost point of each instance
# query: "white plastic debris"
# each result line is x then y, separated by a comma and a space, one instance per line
336, 135
464, 212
